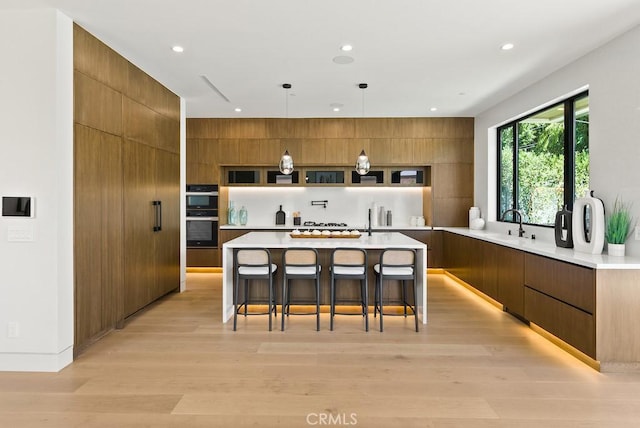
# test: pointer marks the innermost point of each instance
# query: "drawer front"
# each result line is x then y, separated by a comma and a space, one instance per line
572, 325
566, 282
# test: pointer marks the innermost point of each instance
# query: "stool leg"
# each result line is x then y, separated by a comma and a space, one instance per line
333, 301
284, 299
381, 297
375, 297
318, 302
273, 301
269, 301
415, 302
404, 296
235, 303
246, 296
365, 303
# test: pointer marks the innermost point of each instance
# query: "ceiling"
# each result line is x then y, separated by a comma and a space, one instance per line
413, 54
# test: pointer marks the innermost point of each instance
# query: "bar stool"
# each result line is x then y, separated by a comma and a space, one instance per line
350, 263
396, 264
300, 263
253, 264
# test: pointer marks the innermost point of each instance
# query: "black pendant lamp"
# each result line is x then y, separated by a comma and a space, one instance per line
286, 161
362, 163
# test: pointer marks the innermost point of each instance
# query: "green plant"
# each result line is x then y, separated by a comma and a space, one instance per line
619, 223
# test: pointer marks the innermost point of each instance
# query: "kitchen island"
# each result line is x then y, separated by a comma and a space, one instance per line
277, 241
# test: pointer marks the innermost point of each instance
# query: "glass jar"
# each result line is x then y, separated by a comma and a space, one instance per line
232, 216
243, 216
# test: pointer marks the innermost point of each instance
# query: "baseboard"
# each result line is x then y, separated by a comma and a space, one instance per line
33, 362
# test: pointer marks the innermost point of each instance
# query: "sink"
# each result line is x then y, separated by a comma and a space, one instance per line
509, 239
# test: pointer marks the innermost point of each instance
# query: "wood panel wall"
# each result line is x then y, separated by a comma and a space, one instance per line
444, 143
116, 107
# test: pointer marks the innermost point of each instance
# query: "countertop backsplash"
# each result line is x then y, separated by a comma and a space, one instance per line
344, 204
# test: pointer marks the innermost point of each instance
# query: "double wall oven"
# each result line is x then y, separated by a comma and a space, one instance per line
202, 215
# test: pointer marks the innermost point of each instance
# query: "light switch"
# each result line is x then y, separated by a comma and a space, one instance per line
22, 233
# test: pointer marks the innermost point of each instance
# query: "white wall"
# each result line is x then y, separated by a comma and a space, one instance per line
36, 140
183, 188
345, 204
612, 75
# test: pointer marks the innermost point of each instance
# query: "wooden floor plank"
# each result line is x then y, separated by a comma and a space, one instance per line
176, 365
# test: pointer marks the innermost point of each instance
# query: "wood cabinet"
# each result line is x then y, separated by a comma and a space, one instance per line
98, 222
167, 245
126, 155
510, 273
433, 239
204, 257
150, 270
560, 297
490, 263
443, 146
473, 261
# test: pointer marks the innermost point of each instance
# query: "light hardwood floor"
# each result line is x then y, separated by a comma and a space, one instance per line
177, 365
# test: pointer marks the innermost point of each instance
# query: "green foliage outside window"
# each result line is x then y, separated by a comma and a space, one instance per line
541, 178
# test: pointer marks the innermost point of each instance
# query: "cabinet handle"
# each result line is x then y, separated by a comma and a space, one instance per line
157, 221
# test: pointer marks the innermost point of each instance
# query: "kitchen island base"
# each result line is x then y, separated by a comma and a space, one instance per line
276, 242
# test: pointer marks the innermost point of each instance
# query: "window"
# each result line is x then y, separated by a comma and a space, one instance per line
544, 161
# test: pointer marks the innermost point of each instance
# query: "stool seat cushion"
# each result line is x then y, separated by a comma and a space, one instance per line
302, 270
348, 270
394, 271
256, 270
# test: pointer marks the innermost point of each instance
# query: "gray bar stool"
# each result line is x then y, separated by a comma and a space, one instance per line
253, 264
396, 264
300, 263
350, 264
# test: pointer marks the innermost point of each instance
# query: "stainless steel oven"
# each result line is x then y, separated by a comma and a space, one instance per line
202, 215
202, 196
202, 228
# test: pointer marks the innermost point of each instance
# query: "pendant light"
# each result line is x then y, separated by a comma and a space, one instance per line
362, 163
286, 161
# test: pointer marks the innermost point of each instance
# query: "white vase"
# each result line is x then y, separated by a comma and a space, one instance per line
616, 250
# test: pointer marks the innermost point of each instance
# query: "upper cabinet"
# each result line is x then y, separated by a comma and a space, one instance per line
439, 147
243, 176
370, 178
391, 176
324, 177
409, 176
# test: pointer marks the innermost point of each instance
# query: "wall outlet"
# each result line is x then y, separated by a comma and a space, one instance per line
637, 234
13, 330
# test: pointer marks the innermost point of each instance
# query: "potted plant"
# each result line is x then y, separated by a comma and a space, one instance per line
618, 228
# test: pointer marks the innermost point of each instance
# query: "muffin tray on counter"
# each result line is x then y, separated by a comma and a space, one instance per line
341, 236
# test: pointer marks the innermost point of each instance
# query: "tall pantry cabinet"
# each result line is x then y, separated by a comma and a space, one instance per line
126, 191
150, 271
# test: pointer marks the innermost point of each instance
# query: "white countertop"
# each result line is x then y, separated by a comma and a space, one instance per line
377, 240
549, 249
290, 228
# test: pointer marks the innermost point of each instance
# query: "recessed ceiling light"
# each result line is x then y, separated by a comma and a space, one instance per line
346, 48
336, 109
178, 49
507, 46
343, 59
433, 109
237, 109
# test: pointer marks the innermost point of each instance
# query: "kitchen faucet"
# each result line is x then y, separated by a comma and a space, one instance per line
515, 211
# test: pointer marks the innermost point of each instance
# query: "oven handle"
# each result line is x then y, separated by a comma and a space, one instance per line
202, 218
201, 193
